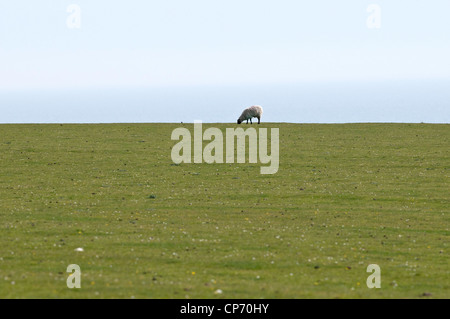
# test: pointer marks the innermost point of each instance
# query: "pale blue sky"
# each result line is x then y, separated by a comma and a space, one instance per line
204, 42
179, 60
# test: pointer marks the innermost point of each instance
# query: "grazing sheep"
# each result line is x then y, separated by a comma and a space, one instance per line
249, 113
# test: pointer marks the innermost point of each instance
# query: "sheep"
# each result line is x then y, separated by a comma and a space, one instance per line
249, 113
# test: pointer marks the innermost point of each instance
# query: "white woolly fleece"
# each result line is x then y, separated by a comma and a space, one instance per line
252, 111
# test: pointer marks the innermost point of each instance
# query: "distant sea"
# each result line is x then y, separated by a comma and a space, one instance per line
390, 101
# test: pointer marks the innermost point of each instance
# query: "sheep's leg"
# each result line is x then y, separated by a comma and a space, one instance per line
251, 121
259, 120
247, 121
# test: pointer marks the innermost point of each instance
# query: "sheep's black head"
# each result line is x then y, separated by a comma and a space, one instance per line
239, 121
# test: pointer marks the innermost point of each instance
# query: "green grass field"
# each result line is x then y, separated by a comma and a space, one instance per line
345, 196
